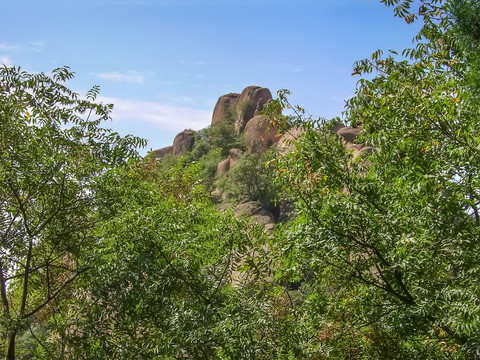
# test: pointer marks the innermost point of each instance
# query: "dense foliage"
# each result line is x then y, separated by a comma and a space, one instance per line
390, 239
54, 157
104, 255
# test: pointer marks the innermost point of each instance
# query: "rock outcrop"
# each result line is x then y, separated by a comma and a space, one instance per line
223, 166
225, 106
359, 153
286, 142
226, 164
257, 212
235, 155
259, 135
160, 153
250, 103
241, 107
349, 134
183, 142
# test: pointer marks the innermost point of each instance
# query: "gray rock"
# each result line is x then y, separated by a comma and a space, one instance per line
257, 212
160, 153
335, 126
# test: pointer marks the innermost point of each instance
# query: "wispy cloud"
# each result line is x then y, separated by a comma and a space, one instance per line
31, 46
5, 60
8, 47
163, 116
131, 76
37, 46
192, 62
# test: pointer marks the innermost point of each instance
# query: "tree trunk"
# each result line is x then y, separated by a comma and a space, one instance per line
11, 346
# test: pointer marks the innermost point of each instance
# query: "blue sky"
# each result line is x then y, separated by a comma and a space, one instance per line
164, 63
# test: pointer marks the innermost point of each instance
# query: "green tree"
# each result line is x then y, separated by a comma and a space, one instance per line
162, 285
467, 30
251, 179
54, 157
222, 135
391, 239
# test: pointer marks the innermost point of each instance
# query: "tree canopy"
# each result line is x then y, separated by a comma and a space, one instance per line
54, 158
107, 255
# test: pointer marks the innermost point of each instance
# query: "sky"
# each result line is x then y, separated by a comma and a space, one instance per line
164, 63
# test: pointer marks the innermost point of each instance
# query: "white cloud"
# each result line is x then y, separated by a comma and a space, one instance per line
36, 46
164, 116
131, 77
5, 60
8, 47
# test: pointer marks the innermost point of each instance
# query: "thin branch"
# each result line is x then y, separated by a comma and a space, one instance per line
55, 294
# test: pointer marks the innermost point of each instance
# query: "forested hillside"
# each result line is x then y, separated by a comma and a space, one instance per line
349, 238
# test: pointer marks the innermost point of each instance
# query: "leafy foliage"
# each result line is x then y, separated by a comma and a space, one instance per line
252, 179
104, 257
162, 287
394, 234
53, 157
222, 135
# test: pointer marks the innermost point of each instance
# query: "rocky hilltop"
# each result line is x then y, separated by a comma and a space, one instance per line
242, 113
244, 108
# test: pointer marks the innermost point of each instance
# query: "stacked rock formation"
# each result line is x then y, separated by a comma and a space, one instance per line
244, 108
183, 141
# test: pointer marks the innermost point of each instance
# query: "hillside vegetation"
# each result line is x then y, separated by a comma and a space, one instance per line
309, 240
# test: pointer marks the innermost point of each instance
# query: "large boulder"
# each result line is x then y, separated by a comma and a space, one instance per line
286, 142
257, 212
225, 106
228, 163
250, 103
235, 155
259, 134
160, 153
349, 134
183, 142
362, 153
335, 126
223, 166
